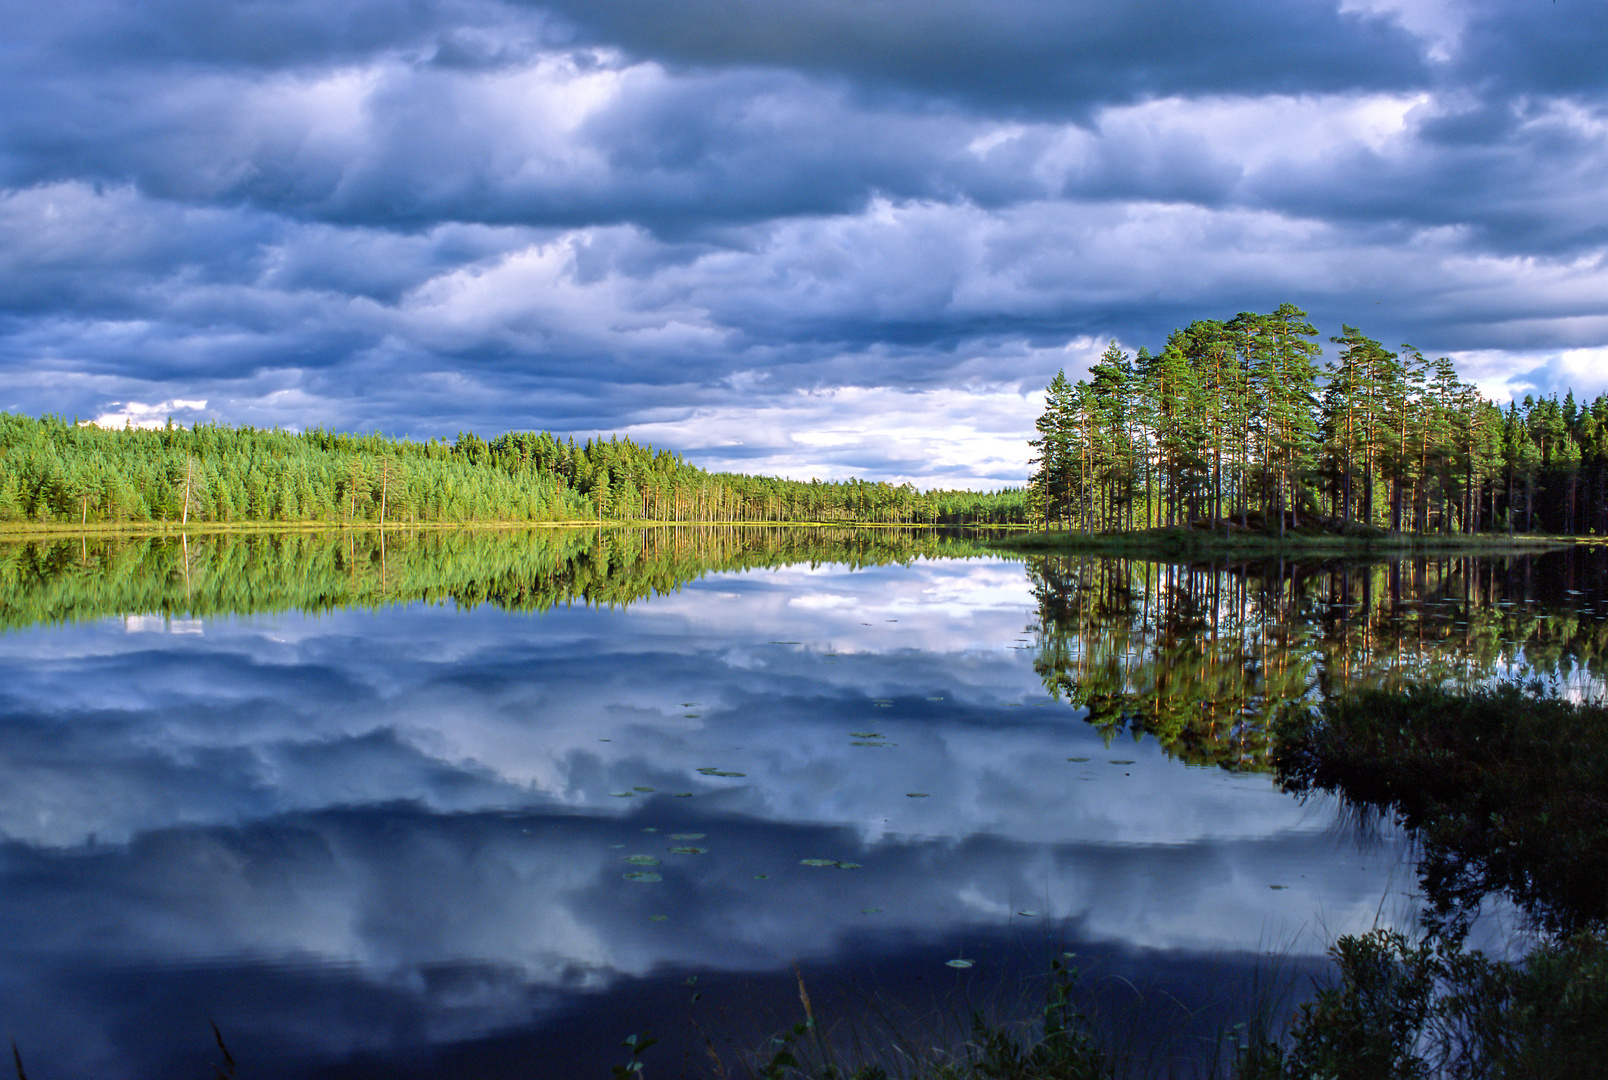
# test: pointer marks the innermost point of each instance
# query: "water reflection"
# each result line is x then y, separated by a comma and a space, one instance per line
1202, 657
372, 832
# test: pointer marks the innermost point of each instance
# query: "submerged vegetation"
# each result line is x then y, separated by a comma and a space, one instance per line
55, 471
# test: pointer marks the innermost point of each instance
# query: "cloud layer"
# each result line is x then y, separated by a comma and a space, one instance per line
423, 217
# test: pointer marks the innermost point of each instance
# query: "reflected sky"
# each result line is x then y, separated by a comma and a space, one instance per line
427, 820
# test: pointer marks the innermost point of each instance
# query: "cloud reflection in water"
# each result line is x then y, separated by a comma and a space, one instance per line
437, 805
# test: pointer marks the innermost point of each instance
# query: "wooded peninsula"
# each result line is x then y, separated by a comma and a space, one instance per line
1233, 426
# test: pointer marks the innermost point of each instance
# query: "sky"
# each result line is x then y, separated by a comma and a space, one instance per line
799, 237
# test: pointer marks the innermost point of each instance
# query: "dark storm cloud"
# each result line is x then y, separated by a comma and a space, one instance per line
1027, 55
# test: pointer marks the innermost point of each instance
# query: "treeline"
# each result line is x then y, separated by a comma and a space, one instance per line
1235, 425
216, 574
54, 470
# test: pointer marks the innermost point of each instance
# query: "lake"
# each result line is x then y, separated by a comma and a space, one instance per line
484, 804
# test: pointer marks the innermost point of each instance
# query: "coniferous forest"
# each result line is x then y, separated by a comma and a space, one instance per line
55, 470
1235, 425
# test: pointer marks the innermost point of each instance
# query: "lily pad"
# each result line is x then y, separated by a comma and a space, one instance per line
643, 875
1077, 759
687, 835
916, 795
1278, 887
817, 862
642, 860
761, 877
689, 851
682, 795
1122, 761
1025, 913
657, 918
623, 794
957, 963
865, 735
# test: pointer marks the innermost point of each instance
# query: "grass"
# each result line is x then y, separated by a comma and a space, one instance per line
1230, 539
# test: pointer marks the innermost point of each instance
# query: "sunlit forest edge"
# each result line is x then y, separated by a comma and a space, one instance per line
54, 471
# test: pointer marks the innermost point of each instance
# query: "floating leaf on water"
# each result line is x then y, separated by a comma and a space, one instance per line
689, 851
871, 911
1122, 761
682, 795
623, 794
848, 866
1026, 913
916, 795
690, 704
817, 862
883, 704
722, 772
687, 835
957, 963
605, 740
761, 877
643, 875
650, 828
1277, 887
1077, 759
935, 699
643, 789
865, 734
642, 860
657, 918
691, 715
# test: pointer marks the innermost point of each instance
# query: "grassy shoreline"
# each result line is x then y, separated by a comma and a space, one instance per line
1178, 541
14, 531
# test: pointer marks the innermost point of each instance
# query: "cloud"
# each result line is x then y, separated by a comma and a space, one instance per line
431, 217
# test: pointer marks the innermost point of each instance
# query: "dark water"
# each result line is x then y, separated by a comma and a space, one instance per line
429, 812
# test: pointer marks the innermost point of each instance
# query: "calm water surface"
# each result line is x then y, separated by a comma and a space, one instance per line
424, 838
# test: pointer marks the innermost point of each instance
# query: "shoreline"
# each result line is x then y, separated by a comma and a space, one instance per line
1178, 541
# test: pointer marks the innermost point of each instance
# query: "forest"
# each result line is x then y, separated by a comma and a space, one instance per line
1235, 425
53, 470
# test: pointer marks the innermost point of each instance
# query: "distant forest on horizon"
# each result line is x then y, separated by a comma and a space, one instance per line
53, 470
1234, 425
